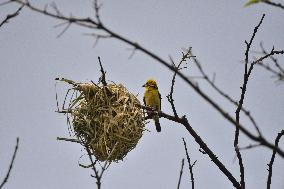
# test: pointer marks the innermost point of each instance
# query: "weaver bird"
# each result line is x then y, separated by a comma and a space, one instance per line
152, 98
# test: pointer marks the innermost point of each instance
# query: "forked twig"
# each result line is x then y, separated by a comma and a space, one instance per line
185, 56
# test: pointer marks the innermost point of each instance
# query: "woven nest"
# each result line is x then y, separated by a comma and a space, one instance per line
108, 119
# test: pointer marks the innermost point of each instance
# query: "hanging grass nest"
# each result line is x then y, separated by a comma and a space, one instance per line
107, 118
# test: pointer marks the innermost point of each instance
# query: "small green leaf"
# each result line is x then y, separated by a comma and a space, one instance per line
251, 2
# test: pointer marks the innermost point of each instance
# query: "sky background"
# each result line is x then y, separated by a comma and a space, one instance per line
32, 56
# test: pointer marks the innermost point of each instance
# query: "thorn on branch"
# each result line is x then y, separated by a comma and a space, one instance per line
133, 50
97, 37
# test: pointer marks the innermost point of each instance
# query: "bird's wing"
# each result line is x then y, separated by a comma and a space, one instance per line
144, 101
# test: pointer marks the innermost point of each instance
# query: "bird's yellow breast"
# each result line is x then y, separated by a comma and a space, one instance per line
152, 98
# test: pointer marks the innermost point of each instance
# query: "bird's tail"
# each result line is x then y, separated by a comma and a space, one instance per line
157, 123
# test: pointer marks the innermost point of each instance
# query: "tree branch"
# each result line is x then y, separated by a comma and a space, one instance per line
279, 5
226, 96
190, 166
10, 16
279, 73
184, 121
185, 56
243, 91
280, 134
93, 163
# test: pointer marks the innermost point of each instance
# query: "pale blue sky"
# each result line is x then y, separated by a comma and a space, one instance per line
32, 56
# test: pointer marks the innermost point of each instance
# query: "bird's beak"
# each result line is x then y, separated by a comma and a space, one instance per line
144, 85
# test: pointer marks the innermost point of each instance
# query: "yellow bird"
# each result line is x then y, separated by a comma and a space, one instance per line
152, 98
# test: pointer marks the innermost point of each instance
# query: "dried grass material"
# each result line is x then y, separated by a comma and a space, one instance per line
109, 119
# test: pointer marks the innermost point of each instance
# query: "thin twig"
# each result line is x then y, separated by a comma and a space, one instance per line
240, 104
97, 37
97, 11
250, 146
10, 16
85, 22
11, 164
184, 121
279, 73
279, 5
93, 163
272, 52
103, 77
190, 166
185, 56
64, 30
225, 95
280, 134
69, 140
272, 58
180, 173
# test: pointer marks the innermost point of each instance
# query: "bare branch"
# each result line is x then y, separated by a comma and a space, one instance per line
180, 173
190, 166
206, 150
10, 16
85, 22
272, 58
97, 11
184, 121
278, 71
280, 134
185, 56
240, 104
93, 163
250, 146
225, 95
279, 5
68, 24
272, 52
103, 77
11, 164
